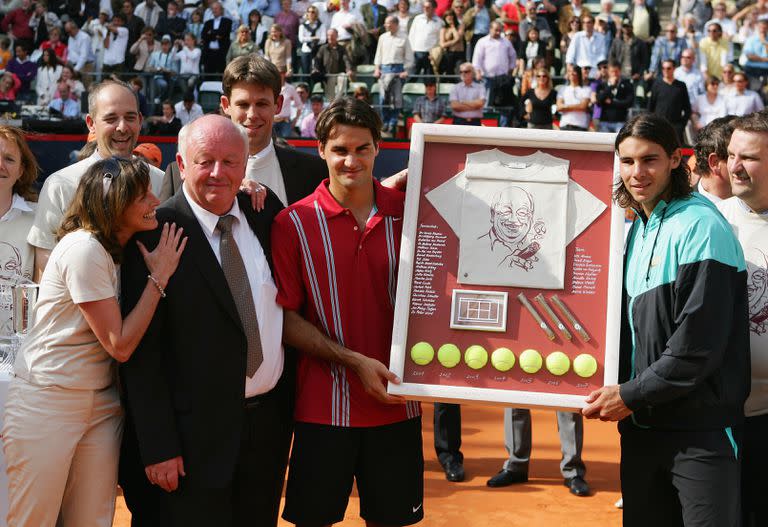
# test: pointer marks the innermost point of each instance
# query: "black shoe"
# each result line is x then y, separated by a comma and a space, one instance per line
506, 477
577, 486
454, 470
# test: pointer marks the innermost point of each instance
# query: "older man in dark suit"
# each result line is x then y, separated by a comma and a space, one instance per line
207, 390
215, 40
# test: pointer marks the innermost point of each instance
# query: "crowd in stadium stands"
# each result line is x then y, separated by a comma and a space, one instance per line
535, 62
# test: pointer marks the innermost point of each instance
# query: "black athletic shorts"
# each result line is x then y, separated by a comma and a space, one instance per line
386, 462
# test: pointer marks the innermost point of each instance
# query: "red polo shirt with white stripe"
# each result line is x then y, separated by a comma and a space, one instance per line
343, 281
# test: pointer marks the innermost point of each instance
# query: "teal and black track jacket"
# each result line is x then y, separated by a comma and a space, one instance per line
684, 361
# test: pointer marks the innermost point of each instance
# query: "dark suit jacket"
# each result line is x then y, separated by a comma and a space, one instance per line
370, 22
302, 173
184, 383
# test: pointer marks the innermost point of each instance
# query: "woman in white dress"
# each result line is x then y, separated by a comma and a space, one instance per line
47, 79
63, 419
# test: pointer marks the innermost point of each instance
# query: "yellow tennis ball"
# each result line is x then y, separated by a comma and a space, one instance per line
503, 359
449, 355
422, 353
585, 365
530, 361
476, 357
558, 363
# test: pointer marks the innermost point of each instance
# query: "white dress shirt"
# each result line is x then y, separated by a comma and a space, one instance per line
743, 103
586, 51
268, 313
115, 53
393, 49
187, 116
79, 51
265, 168
425, 33
342, 19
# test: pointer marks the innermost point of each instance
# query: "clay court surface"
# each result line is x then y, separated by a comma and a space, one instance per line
543, 501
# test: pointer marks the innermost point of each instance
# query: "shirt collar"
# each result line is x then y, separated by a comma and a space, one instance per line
207, 219
749, 210
18, 205
388, 202
269, 149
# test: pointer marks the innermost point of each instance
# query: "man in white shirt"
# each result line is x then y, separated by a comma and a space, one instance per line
588, 47
187, 110
292, 103
115, 119
79, 52
747, 212
743, 101
494, 61
689, 75
423, 36
393, 59
343, 20
719, 16
148, 11
711, 153
115, 45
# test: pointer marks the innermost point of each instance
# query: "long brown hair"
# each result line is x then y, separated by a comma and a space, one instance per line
24, 186
99, 212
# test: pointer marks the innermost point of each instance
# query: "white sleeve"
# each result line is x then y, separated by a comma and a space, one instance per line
87, 270
447, 199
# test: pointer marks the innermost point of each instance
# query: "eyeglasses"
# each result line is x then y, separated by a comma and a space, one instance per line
713, 30
111, 171
465, 71
667, 68
542, 76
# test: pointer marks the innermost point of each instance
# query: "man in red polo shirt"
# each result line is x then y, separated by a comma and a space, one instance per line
335, 260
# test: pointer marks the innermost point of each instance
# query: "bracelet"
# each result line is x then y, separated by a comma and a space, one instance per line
157, 285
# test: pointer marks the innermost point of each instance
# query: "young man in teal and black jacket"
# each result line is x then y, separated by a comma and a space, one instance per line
684, 360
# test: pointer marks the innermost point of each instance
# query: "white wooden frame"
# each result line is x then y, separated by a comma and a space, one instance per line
540, 139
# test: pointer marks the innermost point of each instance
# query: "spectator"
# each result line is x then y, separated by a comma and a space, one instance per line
187, 110
309, 122
137, 85
343, 21
477, 23
48, 75
96, 29
143, 49
494, 62
167, 123
171, 22
533, 19
65, 104
510, 13
135, 25
451, 44
748, 28
533, 48
332, 59
5, 52
188, 55
54, 42
311, 36
115, 45
76, 86
670, 47
573, 101
574, 27
284, 122
9, 86
429, 108
243, 45
16, 23
758, 8
423, 36
165, 65
361, 93
587, 47
79, 53
373, 16
756, 51
467, 101
708, 106
25, 70
149, 12
615, 97
633, 61
714, 51
720, 17
215, 40
41, 23
259, 32
150, 153
538, 101
711, 153
302, 90
195, 25
612, 21
289, 22
689, 32
278, 50
743, 101
405, 18
727, 86
692, 77
669, 99
644, 20
394, 58
249, 6
229, 10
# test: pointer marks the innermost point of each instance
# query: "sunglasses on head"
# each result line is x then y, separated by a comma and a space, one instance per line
112, 169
